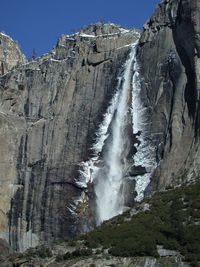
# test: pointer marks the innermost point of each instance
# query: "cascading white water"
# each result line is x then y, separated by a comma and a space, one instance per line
108, 166
107, 171
109, 179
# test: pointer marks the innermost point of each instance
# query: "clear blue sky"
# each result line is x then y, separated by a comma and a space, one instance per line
38, 23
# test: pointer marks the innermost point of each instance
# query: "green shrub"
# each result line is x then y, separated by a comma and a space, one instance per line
44, 252
59, 258
41, 252
169, 223
72, 243
74, 254
98, 251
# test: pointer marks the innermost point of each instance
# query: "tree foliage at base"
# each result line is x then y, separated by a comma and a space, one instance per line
173, 221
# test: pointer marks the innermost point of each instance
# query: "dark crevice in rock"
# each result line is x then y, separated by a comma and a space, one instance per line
190, 91
94, 64
197, 124
95, 50
26, 108
61, 183
63, 102
136, 170
43, 207
183, 34
169, 127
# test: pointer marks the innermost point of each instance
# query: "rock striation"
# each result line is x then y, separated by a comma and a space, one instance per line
10, 54
51, 107
49, 111
169, 58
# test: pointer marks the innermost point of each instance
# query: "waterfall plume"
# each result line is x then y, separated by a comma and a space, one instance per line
109, 167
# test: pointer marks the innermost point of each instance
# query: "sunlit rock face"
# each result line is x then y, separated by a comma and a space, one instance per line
50, 109
10, 58
10, 54
86, 127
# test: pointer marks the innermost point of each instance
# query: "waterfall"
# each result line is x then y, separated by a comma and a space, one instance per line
108, 167
109, 177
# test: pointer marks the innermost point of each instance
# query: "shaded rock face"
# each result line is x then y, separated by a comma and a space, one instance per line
49, 111
169, 66
4, 249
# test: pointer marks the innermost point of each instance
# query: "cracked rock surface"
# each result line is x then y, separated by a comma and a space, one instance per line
51, 107
49, 111
170, 89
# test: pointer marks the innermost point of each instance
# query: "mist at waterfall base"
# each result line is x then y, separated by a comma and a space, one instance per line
109, 167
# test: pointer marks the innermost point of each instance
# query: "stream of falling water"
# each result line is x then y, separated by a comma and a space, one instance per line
108, 167
107, 171
109, 178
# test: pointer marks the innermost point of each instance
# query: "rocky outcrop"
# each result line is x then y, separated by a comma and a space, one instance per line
51, 107
4, 250
53, 256
102, 261
169, 66
10, 54
49, 111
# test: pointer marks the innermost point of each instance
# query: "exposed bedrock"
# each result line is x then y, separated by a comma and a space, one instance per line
50, 109
170, 70
10, 54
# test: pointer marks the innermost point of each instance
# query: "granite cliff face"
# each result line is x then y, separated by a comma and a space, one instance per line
10, 54
169, 59
50, 109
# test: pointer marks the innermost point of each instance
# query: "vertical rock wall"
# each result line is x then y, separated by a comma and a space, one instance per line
50, 109
169, 58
